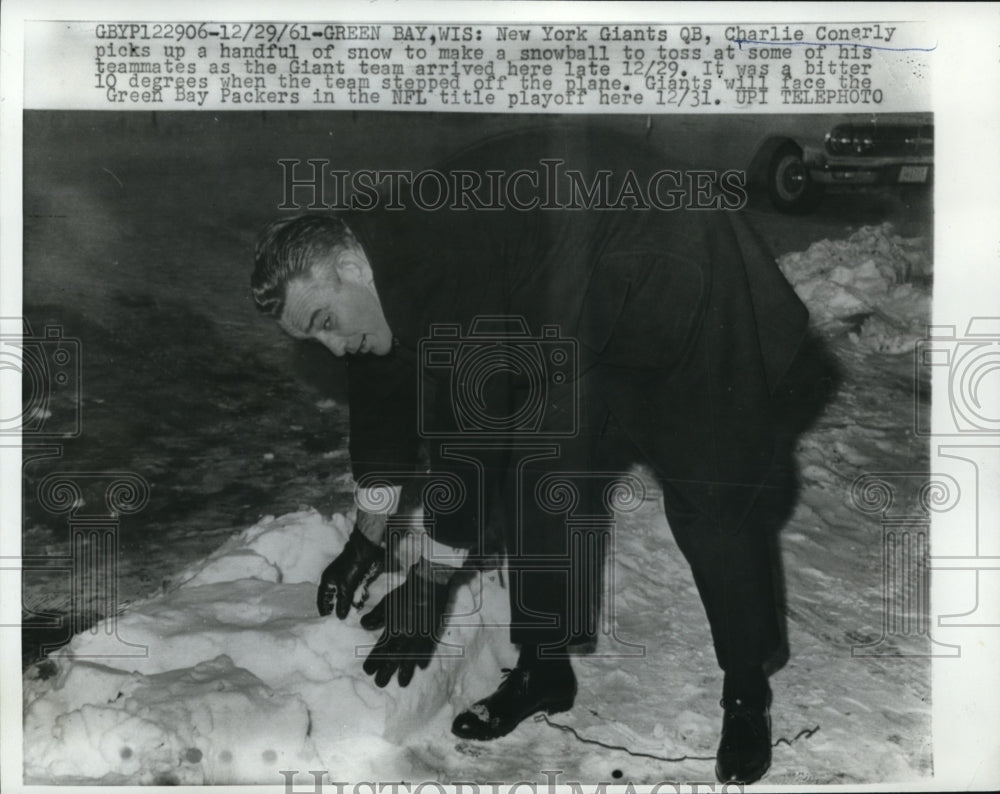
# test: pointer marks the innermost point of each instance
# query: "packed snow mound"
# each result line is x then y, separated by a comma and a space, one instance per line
866, 285
230, 675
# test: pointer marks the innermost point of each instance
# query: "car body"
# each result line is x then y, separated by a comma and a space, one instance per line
874, 151
796, 157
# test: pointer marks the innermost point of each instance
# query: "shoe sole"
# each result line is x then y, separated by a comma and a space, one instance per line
552, 708
556, 708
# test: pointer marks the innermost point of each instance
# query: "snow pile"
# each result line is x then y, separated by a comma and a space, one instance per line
242, 678
864, 285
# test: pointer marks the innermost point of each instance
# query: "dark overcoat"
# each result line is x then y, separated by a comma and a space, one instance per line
683, 315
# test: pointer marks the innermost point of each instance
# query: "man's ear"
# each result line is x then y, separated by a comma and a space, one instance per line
352, 266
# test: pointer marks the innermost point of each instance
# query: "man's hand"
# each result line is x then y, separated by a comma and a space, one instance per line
356, 567
412, 620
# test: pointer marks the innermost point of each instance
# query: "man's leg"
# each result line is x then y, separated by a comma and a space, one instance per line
724, 521
553, 572
733, 569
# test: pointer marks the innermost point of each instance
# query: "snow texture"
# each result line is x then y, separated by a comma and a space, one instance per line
241, 678
866, 281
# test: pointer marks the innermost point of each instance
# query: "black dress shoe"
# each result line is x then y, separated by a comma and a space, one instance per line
745, 749
529, 688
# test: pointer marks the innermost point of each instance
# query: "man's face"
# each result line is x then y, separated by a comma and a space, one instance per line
338, 307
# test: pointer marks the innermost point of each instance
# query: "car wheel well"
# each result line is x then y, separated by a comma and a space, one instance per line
760, 163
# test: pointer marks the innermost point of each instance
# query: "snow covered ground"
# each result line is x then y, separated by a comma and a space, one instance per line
242, 679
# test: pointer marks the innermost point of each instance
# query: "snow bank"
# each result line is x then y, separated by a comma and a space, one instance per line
242, 678
864, 285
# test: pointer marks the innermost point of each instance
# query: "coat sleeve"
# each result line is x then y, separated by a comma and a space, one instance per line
384, 437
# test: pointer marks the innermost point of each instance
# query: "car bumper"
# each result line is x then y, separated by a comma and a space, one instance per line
870, 170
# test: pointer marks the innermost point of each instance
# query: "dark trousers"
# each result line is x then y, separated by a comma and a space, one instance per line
547, 500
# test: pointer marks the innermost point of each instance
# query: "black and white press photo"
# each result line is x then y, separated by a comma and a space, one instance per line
476, 398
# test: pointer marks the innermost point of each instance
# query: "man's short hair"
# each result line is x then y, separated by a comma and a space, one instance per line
288, 248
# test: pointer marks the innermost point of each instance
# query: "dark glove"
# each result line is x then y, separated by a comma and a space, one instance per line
412, 619
357, 566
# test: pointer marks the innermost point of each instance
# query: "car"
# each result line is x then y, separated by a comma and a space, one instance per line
795, 158
892, 149
873, 151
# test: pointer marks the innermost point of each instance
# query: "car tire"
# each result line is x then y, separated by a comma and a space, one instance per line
789, 185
